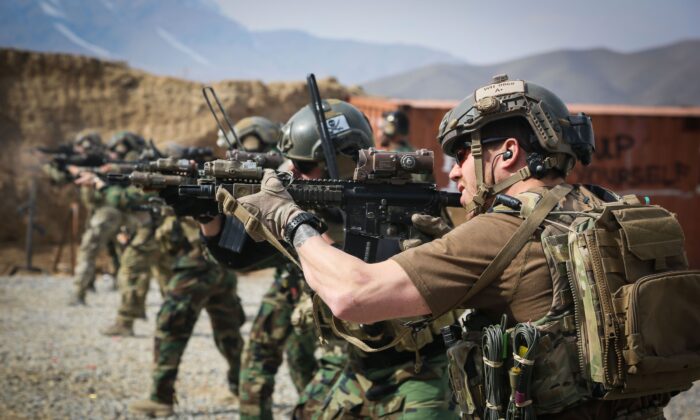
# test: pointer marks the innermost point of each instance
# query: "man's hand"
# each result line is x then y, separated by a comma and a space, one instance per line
74, 170
86, 178
433, 227
272, 207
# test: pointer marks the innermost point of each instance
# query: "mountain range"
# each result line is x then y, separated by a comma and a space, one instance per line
195, 40
657, 76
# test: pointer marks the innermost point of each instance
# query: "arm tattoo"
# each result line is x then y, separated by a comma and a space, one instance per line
303, 233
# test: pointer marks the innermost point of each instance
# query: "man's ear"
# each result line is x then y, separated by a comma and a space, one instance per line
512, 153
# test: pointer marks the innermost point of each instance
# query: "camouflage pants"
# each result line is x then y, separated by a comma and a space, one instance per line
389, 392
331, 364
140, 260
206, 286
271, 334
102, 227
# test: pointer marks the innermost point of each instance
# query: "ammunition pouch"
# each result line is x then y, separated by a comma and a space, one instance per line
465, 369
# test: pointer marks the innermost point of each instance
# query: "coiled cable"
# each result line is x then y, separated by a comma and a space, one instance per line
494, 348
525, 340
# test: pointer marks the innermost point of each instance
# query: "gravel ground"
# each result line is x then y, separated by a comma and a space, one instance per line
55, 364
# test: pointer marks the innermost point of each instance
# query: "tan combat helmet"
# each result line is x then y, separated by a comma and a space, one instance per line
258, 134
89, 141
125, 142
559, 139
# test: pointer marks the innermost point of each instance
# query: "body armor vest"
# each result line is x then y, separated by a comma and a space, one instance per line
621, 324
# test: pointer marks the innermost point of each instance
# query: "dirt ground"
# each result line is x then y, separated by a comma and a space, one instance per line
55, 364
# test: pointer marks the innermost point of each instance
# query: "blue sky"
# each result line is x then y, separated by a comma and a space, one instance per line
482, 32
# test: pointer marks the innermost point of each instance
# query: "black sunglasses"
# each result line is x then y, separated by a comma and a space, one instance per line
462, 151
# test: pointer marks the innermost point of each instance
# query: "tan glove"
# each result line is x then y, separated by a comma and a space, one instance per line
272, 207
434, 227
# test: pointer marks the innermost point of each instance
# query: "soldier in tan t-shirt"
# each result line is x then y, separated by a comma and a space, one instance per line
510, 137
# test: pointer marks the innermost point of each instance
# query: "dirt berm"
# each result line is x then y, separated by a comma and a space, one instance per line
46, 98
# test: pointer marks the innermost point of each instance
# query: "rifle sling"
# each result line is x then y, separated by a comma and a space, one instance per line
252, 223
342, 332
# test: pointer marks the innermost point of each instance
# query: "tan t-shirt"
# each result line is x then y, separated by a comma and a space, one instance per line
443, 270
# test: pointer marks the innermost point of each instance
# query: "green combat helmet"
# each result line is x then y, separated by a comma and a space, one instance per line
88, 141
258, 134
394, 126
556, 140
348, 127
125, 143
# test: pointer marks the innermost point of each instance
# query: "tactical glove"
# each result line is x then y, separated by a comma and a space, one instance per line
272, 207
433, 227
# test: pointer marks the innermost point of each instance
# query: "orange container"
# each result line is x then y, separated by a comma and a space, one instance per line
649, 151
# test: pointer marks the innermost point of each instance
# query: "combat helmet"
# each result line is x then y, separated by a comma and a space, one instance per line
89, 140
257, 134
348, 127
124, 142
394, 123
556, 140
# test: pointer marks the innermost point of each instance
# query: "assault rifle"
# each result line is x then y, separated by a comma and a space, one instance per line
378, 202
64, 156
187, 161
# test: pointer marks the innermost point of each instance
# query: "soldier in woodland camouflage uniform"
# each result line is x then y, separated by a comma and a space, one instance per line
331, 363
107, 206
197, 283
272, 334
137, 260
408, 380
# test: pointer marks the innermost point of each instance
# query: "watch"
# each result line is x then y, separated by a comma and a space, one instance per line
304, 218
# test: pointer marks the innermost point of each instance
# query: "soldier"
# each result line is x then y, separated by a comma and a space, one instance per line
197, 283
518, 139
109, 204
394, 127
140, 250
372, 384
272, 332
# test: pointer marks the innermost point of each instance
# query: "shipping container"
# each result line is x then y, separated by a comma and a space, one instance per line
649, 151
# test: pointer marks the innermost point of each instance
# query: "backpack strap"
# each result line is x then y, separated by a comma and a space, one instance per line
506, 255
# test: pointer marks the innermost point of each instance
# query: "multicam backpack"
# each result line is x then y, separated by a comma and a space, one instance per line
624, 321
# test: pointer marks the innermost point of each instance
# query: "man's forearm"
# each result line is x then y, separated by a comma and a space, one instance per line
357, 291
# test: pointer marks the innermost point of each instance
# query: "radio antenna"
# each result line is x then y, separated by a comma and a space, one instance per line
210, 90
